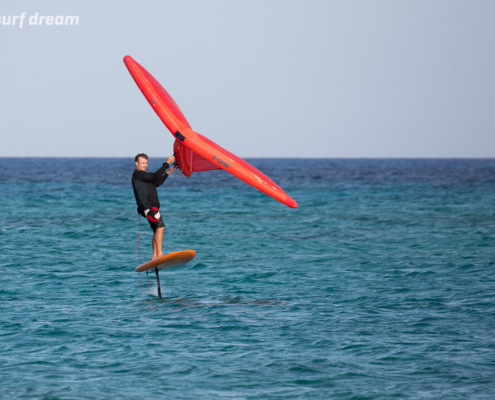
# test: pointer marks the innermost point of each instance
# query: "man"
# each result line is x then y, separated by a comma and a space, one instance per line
144, 185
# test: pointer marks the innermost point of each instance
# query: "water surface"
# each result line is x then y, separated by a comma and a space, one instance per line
380, 285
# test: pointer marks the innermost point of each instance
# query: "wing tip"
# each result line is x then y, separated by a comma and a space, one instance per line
290, 203
127, 59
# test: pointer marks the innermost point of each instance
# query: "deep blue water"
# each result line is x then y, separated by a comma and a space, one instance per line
380, 285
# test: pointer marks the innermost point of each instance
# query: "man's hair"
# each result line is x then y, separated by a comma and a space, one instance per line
140, 155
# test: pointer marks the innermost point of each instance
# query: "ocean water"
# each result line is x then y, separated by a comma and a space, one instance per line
381, 285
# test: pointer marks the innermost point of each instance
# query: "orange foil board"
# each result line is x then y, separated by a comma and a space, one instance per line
199, 148
167, 261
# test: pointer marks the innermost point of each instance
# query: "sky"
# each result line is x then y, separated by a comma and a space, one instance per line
262, 78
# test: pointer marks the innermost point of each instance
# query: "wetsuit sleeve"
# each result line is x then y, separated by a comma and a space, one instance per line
151, 176
160, 171
159, 182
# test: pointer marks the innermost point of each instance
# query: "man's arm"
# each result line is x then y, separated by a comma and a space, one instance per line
162, 179
151, 176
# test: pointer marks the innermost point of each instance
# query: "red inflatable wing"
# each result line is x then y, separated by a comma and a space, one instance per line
195, 152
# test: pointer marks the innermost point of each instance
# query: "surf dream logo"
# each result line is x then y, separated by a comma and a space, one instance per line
37, 19
220, 161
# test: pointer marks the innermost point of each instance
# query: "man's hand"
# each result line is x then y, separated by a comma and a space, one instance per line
170, 160
170, 170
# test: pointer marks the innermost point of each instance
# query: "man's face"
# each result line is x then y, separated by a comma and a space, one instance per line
141, 164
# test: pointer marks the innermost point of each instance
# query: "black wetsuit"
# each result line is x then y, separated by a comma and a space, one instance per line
144, 185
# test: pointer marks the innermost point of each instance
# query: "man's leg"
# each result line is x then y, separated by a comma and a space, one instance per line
158, 237
153, 243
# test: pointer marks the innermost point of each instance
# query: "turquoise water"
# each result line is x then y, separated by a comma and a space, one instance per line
381, 285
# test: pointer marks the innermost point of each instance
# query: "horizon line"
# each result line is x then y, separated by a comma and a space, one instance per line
281, 158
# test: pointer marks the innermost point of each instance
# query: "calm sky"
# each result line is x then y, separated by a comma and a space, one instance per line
261, 78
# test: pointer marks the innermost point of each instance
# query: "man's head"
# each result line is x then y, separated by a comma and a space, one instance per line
141, 161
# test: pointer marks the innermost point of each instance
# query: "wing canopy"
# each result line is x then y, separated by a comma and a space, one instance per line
195, 152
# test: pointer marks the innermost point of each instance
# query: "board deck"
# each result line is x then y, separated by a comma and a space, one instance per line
167, 261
